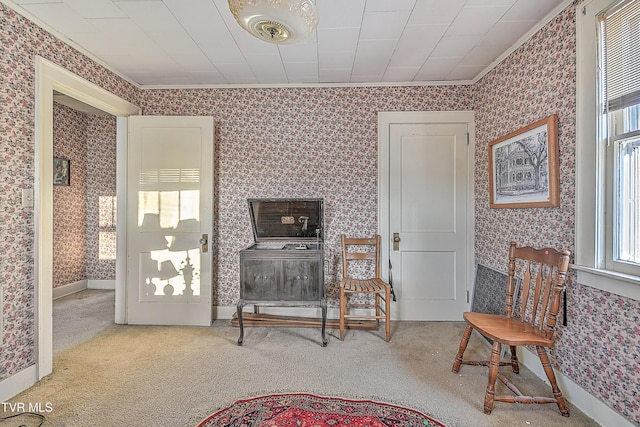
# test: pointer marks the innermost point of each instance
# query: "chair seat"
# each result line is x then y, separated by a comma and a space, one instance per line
363, 285
507, 330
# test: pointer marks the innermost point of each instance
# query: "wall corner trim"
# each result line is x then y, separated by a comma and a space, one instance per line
69, 288
18, 382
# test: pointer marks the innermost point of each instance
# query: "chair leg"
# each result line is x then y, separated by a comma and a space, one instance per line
515, 366
494, 364
378, 311
387, 313
548, 369
343, 309
463, 346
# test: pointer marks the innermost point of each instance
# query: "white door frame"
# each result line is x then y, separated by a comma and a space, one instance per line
385, 120
50, 77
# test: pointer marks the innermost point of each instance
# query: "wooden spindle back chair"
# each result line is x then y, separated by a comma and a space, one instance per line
530, 320
355, 250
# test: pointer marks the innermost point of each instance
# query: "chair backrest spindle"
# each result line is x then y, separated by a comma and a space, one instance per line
543, 277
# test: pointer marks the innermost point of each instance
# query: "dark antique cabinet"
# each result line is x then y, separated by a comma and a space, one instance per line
284, 267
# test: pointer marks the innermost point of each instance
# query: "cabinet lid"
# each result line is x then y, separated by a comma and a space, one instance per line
286, 219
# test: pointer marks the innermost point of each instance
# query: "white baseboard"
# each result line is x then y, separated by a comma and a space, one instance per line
18, 382
68, 289
102, 284
585, 401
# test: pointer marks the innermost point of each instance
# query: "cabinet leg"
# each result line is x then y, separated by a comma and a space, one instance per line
323, 305
240, 323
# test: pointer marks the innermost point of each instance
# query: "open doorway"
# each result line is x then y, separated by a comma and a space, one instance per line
84, 221
50, 78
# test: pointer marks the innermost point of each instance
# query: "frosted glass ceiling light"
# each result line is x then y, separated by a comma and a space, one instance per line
276, 21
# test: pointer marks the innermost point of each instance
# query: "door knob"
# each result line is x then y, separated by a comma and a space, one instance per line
204, 241
396, 241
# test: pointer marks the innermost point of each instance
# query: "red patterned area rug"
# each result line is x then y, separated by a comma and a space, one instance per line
307, 410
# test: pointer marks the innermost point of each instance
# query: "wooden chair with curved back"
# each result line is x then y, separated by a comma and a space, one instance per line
530, 320
363, 249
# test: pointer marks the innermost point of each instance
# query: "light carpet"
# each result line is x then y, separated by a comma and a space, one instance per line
177, 376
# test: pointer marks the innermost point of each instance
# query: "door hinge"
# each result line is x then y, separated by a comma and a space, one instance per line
467, 138
467, 297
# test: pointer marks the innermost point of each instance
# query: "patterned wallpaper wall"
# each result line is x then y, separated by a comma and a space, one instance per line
20, 41
101, 198
84, 213
600, 347
69, 202
308, 142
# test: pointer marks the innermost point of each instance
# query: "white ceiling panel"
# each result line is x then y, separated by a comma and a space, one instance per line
237, 72
421, 37
373, 57
174, 42
399, 74
386, 6
503, 32
476, 20
299, 52
430, 12
437, 69
526, 10
340, 13
96, 8
338, 39
481, 55
334, 75
150, 15
464, 72
194, 64
198, 42
416, 44
37, 1
337, 60
384, 25
484, 3
301, 69
450, 46
61, 17
366, 78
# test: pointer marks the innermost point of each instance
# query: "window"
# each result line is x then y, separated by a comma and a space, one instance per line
608, 145
619, 52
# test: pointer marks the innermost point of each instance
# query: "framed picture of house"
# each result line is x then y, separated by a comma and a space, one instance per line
523, 167
61, 171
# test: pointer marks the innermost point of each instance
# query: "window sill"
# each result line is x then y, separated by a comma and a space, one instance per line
625, 285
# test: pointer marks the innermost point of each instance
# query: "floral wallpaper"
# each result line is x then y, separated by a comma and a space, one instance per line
296, 142
84, 214
101, 198
20, 41
321, 142
600, 346
69, 202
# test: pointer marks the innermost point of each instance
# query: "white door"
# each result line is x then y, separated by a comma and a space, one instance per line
428, 193
169, 220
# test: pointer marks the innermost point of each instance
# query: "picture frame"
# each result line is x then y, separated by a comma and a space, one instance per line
523, 167
61, 171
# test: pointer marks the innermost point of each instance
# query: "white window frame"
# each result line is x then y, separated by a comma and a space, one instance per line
591, 244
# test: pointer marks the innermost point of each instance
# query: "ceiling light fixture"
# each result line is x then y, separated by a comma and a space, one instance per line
276, 21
